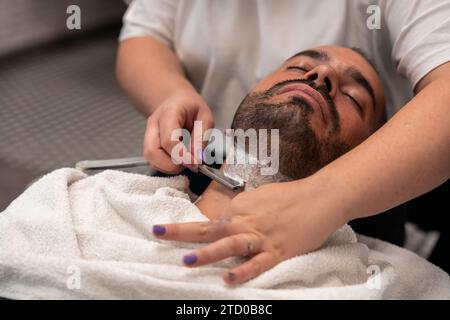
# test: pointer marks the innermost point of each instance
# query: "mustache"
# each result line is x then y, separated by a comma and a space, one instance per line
322, 89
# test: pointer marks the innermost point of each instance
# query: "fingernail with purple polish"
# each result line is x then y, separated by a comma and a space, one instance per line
159, 230
190, 259
231, 276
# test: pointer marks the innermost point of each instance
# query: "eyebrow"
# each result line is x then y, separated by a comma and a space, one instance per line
314, 54
354, 73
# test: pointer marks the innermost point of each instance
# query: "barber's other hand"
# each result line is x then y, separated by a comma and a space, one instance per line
274, 222
177, 112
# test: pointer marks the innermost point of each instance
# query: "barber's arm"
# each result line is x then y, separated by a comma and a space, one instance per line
407, 157
150, 73
152, 76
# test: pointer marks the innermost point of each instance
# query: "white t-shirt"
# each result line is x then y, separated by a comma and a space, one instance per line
227, 46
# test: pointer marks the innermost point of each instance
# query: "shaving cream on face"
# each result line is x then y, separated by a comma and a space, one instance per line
246, 167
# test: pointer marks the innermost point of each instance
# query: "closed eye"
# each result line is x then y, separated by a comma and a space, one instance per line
297, 68
354, 102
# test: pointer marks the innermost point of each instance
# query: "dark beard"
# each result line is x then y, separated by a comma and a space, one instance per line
301, 151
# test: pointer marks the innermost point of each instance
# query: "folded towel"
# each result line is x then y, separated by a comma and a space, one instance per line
74, 236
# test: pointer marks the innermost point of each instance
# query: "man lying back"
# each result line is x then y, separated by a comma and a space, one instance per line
324, 102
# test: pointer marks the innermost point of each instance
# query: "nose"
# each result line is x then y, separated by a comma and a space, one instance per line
324, 75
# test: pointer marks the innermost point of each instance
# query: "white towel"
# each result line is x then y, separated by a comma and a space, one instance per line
73, 236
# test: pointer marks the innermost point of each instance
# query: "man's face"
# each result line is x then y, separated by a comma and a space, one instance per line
324, 101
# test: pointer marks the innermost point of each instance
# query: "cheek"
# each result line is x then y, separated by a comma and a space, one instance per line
353, 129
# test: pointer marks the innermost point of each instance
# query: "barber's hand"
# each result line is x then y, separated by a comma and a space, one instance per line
177, 112
270, 224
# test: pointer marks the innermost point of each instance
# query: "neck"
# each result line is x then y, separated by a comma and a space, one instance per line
215, 198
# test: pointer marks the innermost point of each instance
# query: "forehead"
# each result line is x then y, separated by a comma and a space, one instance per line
338, 57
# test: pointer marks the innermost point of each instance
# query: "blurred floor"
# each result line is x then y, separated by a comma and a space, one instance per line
60, 104
12, 182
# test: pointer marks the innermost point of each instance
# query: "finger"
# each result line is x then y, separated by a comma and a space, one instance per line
204, 122
250, 269
171, 128
158, 158
192, 231
237, 245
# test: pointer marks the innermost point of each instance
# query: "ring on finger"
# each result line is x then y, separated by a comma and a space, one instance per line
250, 247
